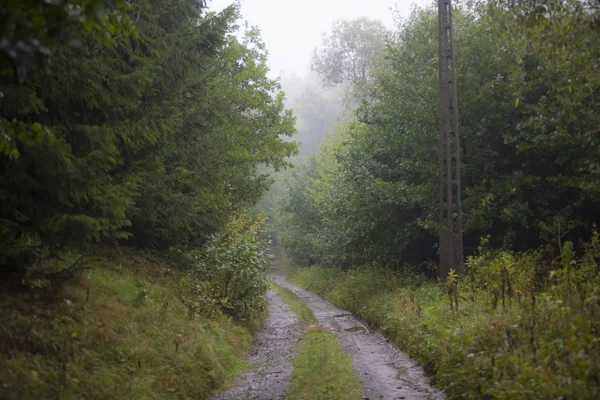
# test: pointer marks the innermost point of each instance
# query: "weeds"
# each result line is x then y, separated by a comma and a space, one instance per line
116, 331
514, 328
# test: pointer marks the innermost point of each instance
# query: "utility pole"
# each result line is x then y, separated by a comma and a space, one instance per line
450, 224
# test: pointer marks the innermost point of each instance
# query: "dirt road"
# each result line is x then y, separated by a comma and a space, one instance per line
385, 372
271, 359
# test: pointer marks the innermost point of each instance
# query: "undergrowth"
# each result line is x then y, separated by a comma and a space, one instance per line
118, 330
515, 327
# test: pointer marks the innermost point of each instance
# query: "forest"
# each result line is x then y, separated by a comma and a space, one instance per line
169, 208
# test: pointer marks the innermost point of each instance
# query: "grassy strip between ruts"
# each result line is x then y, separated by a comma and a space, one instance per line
322, 369
302, 311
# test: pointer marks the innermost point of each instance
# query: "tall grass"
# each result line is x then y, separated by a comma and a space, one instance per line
117, 331
515, 327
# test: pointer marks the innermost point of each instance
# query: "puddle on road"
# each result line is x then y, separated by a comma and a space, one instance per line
358, 328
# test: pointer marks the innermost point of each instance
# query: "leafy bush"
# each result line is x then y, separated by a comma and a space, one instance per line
229, 273
510, 332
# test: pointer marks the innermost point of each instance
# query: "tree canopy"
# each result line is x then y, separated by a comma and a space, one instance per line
153, 137
529, 127
350, 53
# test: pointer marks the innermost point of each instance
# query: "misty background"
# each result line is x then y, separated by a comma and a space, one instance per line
291, 30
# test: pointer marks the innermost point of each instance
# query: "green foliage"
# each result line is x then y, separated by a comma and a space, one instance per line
228, 274
155, 137
350, 53
322, 369
31, 31
515, 327
528, 100
117, 330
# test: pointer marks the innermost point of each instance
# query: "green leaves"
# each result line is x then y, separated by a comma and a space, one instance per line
527, 90
157, 135
231, 269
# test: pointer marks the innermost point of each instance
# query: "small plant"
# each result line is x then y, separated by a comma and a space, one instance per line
452, 290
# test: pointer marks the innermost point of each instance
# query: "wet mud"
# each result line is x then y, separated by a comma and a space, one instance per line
269, 373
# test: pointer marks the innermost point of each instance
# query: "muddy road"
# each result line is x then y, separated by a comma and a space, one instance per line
386, 373
270, 361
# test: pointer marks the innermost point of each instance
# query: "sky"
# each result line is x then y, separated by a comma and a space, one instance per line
292, 29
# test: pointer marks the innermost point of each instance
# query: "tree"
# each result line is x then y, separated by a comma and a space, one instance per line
30, 33
530, 139
316, 111
156, 137
349, 54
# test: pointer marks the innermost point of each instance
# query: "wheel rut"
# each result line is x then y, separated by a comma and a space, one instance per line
271, 358
386, 372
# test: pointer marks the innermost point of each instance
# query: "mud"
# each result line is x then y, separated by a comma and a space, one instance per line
386, 372
270, 369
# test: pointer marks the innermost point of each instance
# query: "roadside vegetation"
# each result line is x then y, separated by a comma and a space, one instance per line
119, 329
135, 324
322, 368
516, 326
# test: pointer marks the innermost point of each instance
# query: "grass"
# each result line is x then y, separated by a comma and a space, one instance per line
116, 331
302, 311
547, 348
323, 370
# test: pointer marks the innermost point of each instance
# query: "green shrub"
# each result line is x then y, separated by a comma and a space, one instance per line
229, 273
514, 333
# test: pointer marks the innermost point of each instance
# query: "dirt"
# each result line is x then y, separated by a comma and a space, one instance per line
270, 361
386, 372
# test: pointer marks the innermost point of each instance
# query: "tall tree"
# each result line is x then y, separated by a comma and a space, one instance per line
156, 136
350, 53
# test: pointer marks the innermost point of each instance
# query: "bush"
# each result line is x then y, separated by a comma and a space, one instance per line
229, 273
506, 331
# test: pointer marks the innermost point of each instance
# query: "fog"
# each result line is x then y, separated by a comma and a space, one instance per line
292, 29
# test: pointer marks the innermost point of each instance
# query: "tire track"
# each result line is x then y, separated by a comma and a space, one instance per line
386, 372
271, 359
